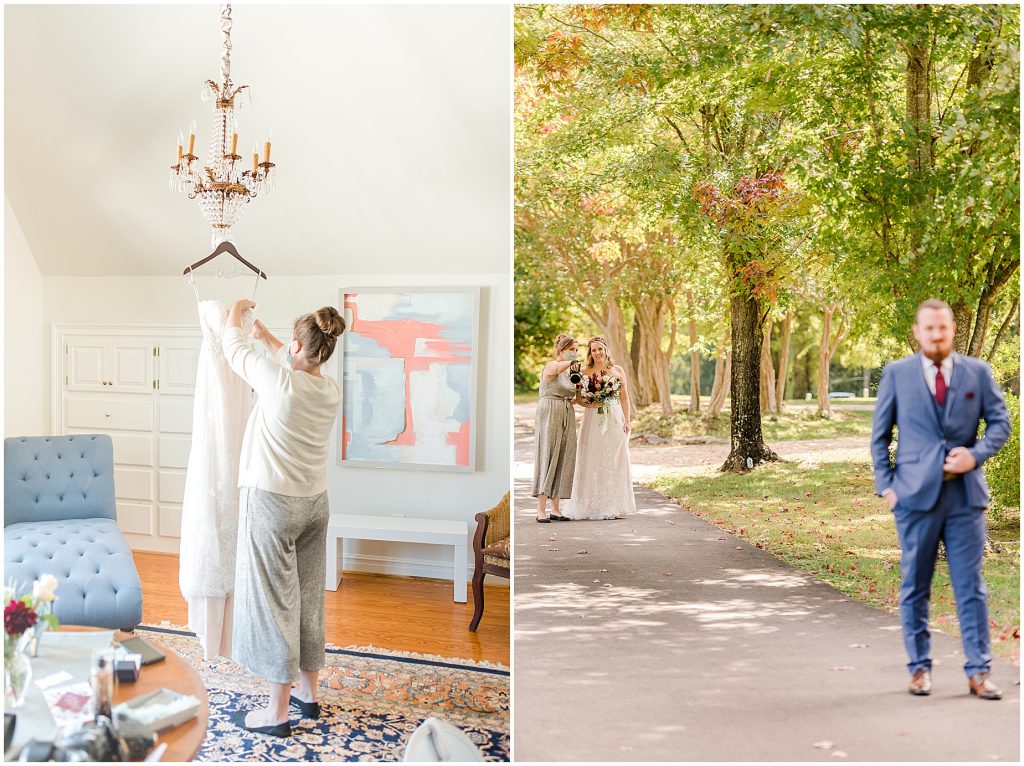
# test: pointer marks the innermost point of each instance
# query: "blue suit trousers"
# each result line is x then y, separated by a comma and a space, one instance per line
962, 529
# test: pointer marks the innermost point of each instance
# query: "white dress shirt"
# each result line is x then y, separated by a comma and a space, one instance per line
930, 371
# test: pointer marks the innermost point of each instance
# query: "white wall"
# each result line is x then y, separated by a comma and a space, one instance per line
26, 341
442, 495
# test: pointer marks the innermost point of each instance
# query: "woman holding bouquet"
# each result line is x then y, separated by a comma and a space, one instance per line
602, 486
556, 431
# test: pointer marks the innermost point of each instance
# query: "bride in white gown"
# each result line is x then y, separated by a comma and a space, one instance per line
602, 486
209, 507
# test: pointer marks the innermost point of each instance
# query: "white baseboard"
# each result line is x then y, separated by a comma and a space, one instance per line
357, 562
406, 567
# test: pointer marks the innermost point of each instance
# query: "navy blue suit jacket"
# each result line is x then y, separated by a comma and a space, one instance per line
927, 433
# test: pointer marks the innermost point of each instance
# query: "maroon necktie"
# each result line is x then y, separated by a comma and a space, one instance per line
940, 385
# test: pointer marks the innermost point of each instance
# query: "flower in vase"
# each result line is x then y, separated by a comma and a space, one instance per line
18, 618
43, 589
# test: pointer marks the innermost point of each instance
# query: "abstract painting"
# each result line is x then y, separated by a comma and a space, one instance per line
409, 378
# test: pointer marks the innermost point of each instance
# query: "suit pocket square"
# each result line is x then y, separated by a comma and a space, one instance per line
969, 395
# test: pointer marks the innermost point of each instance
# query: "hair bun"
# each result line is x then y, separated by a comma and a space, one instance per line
329, 321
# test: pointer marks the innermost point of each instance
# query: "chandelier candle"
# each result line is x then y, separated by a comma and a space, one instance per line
221, 184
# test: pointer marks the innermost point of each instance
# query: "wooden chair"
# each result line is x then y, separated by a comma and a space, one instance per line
491, 550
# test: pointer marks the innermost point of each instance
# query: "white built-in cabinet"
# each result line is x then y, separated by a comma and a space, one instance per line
137, 385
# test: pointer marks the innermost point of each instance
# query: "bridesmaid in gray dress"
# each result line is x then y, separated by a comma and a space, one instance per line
555, 460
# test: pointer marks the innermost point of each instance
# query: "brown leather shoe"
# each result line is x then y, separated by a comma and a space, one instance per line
982, 687
921, 683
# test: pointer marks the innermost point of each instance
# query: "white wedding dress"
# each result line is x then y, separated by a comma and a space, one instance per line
209, 508
602, 485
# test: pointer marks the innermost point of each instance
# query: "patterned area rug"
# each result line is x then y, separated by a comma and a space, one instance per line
371, 699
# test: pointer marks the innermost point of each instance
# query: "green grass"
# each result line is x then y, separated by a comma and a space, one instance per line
786, 427
827, 521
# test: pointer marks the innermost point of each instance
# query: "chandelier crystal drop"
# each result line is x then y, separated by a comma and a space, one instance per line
225, 182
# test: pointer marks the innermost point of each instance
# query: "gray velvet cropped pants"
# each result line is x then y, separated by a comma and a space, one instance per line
279, 584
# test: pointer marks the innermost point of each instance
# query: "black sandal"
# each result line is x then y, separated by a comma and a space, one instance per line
556, 517
281, 730
545, 520
309, 709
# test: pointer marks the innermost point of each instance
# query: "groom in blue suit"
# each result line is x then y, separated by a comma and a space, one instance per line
937, 490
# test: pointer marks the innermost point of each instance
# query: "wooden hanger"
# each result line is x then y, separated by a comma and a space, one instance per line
225, 247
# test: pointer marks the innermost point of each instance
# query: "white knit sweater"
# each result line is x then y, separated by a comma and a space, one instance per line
286, 440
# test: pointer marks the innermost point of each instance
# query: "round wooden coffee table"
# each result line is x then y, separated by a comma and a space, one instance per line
183, 741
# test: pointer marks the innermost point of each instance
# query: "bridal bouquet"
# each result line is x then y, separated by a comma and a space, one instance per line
599, 388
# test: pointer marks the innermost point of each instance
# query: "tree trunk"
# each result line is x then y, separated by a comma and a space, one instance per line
826, 350
996, 277
634, 343
963, 315
767, 395
748, 448
723, 370
824, 403
919, 129
780, 380
653, 370
919, 99
1002, 332
614, 328
694, 407
981, 325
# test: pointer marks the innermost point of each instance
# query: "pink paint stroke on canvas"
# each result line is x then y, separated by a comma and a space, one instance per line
419, 344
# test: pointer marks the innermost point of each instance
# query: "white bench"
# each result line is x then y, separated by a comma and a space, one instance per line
397, 529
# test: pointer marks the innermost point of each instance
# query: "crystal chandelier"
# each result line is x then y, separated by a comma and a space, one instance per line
224, 184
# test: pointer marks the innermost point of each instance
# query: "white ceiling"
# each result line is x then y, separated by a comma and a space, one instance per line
390, 133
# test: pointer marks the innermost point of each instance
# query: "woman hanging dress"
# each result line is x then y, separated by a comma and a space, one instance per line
209, 508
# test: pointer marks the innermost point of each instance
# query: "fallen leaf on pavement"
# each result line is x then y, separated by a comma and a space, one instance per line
595, 581
607, 585
553, 539
825, 745
667, 574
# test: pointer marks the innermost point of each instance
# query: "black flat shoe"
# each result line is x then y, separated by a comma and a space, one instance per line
309, 709
545, 520
281, 730
555, 517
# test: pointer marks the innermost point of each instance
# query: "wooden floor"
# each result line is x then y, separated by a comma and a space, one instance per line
402, 613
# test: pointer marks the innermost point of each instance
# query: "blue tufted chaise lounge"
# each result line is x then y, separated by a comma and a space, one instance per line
60, 519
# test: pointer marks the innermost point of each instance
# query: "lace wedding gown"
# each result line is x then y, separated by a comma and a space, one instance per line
209, 508
602, 487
